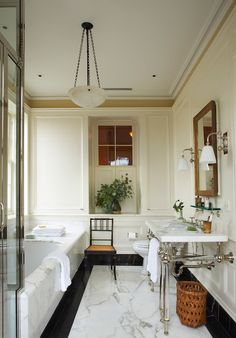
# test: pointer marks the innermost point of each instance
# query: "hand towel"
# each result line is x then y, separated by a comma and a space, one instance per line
153, 260
64, 261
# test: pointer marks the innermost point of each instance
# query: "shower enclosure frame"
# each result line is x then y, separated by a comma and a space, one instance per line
11, 224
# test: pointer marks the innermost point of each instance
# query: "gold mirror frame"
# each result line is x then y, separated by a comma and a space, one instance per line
200, 140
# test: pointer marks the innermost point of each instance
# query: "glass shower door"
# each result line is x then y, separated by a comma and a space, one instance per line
11, 145
10, 164
1, 202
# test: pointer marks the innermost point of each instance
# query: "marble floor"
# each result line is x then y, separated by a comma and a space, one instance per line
125, 308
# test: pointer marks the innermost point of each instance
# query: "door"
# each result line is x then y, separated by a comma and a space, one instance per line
11, 158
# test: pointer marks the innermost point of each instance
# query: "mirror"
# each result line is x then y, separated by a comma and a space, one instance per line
206, 176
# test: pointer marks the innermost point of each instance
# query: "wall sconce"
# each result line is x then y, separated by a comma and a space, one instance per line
182, 162
204, 166
208, 154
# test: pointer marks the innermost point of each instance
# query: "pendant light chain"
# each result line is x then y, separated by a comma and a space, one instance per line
87, 96
79, 58
88, 65
95, 60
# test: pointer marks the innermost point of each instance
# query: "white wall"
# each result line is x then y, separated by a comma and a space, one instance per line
58, 166
213, 79
59, 162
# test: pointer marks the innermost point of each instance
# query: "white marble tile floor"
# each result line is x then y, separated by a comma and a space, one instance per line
125, 308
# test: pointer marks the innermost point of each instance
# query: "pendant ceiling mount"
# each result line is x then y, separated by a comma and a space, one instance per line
87, 96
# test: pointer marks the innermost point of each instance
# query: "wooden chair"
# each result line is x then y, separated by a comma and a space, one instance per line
101, 231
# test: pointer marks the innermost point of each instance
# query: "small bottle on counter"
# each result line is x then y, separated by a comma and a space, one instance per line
198, 201
207, 202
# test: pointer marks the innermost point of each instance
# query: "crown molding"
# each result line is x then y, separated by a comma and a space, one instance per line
214, 23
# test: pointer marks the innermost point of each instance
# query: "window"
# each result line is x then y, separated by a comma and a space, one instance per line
115, 145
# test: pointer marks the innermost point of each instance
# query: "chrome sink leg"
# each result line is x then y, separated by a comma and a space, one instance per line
166, 310
161, 293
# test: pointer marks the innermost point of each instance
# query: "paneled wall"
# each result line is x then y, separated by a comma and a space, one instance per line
213, 79
58, 163
62, 169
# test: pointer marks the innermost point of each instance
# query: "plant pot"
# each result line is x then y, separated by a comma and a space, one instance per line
116, 208
180, 216
107, 210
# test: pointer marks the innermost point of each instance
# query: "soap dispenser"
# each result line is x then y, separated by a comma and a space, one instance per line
207, 203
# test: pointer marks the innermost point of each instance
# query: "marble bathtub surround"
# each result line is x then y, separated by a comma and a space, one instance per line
42, 288
125, 308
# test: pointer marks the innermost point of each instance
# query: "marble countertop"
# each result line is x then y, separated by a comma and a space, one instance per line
173, 232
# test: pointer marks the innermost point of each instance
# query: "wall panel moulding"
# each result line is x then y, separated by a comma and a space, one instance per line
38, 103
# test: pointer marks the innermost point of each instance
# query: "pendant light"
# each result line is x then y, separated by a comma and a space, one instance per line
87, 96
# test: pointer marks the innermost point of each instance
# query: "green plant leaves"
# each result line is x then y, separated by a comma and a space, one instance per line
119, 190
178, 205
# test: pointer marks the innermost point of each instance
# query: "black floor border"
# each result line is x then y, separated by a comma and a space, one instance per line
60, 324
219, 323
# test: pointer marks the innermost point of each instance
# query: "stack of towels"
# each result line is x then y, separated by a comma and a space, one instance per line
49, 230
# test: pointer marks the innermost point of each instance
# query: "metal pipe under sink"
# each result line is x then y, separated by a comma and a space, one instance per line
194, 266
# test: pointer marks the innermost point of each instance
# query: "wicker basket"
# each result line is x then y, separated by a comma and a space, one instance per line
191, 303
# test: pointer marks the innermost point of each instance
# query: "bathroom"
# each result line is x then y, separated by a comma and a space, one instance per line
61, 162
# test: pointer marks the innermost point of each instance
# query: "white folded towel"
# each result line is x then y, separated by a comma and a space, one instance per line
64, 261
49, 230
153, 260
43, 227
48, 234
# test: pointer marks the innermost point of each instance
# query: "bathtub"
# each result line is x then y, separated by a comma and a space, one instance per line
41, 294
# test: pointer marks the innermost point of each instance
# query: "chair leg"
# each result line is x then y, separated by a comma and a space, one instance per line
115, 272
114, 264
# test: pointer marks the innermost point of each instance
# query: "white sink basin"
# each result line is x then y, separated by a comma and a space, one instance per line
173, 231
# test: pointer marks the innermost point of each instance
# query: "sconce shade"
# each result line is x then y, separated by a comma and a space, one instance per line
182, 164
87, 96
204, 166
207, 155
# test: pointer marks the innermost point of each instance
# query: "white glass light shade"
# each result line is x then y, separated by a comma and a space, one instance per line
204, 166
87, 96
182, 164
207, 155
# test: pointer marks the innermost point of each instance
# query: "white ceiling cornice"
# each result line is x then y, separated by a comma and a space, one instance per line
152, 48
207, 33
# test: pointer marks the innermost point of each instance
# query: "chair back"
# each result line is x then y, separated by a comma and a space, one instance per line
101, 230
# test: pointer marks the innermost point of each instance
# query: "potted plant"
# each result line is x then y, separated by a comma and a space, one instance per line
109, 196
179, 206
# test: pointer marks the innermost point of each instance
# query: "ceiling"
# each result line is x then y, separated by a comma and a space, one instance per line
134, 40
